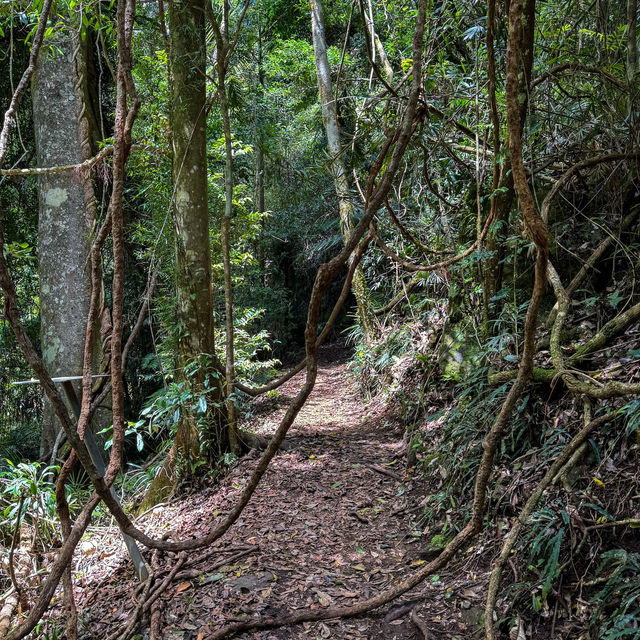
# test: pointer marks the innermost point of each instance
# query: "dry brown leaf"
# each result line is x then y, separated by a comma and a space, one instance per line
183, 586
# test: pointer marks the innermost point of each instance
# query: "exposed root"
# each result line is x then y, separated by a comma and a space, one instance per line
9, 607
136, 615
422, 627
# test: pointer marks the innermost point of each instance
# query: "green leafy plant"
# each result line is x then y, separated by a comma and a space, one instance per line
250, 346
372, 361
166, 406
547, 534
34, 483
135, 429
618, 602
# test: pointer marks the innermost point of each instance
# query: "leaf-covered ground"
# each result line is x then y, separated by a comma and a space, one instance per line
334, 520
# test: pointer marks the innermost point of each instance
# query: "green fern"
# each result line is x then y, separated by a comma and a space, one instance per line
618, 602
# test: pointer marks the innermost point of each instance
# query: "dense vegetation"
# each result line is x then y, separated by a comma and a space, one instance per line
194, 193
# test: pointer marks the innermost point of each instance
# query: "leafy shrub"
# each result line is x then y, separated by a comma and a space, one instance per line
456, 456
33, 483
618, 602
162, 413
250, 348
544, 541
380, 364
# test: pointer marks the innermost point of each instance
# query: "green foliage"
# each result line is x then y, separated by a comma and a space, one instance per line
372, 360
32, 483
131, 429
631, 416
195, 392
544, 541
456, 455
20, 405
436, 347
165, 408
618, 602
251, 347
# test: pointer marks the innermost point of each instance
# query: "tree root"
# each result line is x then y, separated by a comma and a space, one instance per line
155, 631
149, 603
147, 599
563, 474
459, 542
155, 618
634, 523
422, 627
190, 574
135, 617
612, 329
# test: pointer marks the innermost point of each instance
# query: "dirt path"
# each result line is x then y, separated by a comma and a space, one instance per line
333, 521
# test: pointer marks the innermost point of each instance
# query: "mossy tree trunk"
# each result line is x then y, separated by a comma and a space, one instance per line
195, 326
501, 204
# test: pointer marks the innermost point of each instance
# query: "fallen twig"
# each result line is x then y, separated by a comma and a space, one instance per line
385, 472
634, 523
401, 611
190, 574
407, 509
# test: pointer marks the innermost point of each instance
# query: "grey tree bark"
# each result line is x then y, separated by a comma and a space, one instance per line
336, 161
378, 47
63, 125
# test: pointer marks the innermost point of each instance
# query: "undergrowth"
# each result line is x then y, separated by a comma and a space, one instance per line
574, 568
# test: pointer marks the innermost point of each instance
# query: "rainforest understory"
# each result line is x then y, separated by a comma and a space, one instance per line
429, 213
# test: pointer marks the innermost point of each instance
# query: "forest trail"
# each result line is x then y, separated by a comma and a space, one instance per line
331, 523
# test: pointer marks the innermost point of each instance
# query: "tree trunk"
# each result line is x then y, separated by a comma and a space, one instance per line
503, 200
378, 47
63, 126
259, 141
336, 162
632, 60
187, 59
225, 237
259, 133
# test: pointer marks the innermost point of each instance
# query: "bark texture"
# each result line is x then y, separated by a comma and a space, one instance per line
63, 125
336, 161
190, 206
187, 59
503, 179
